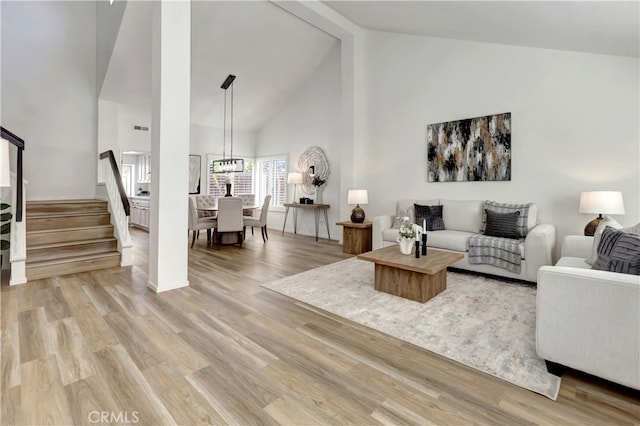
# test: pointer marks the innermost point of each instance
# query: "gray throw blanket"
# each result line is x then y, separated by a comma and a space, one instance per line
501, 252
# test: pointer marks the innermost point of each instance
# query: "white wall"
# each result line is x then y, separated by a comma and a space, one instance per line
108, 18
310, 118
49, 94
128, 138
575, 122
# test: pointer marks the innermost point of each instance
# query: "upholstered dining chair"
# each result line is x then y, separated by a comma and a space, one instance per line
262, 221
197, 223
203, 202
247, 200
229, 218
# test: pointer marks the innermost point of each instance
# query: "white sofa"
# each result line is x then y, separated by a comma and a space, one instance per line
463, 218
588, 319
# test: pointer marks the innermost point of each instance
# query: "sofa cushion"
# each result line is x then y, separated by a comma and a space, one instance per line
635, 229
431, 216
573, 262
462, 215
390, 235
528, 214
618, 251
607, 221
503, 225
405, 208
449, 239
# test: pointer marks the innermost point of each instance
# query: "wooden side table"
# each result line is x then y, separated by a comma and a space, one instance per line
356, 237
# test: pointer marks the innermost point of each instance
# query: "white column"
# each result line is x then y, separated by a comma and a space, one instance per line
170, 125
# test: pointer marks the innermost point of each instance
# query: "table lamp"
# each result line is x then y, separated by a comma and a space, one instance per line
295, 178
600, 202
357, 197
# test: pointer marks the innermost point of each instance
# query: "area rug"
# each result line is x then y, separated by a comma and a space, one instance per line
485, 323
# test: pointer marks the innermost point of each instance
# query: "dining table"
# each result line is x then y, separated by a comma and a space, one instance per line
215, 208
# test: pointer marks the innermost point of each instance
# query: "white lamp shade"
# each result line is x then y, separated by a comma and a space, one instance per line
601, 202
294, 178
5, 175
358, 196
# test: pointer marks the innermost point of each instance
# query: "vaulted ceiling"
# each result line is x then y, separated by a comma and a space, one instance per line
607, 27
273, 53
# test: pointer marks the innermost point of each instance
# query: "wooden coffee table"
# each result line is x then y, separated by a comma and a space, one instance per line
405, 276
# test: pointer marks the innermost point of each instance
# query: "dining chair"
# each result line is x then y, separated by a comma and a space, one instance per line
247, 200
203, 202
262, 221
197, 223
229, 219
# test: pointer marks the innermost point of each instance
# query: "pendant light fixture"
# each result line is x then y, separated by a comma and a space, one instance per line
231, 164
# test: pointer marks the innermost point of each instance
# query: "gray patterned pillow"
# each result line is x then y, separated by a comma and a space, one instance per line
504, 225
523, 219
606, 222
618, 251
432, 215
434, 220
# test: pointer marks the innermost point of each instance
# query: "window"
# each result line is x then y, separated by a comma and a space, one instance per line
242, 181
128, 172
271, 179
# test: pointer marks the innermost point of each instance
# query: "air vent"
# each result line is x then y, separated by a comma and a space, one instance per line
141, 128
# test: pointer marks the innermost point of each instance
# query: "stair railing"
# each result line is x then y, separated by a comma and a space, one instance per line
18, 248
118, 206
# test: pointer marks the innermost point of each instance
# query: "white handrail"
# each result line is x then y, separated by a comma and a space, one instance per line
18, 249
119, 218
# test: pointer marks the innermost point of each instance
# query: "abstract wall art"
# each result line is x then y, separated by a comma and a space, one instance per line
474, 149
194, 174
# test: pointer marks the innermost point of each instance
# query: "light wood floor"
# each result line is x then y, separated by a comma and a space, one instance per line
99, 348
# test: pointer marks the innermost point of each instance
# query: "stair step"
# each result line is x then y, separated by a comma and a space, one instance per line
58, 221
40, 208
71, 265
68, 234
38, 253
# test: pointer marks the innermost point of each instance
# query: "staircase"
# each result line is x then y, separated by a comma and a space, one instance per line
65, 237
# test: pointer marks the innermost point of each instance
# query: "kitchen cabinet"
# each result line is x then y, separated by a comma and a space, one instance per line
139, 215
144, 169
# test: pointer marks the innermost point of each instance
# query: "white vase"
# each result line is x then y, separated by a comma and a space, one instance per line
406, 245
318, 196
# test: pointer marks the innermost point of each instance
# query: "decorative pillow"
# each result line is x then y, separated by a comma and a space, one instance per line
523, 224
434, 220
432, 215
618, 251
405, 210
503, 225
422, 214
396, 223
607, 221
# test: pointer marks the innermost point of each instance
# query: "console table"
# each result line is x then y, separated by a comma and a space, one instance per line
316, 210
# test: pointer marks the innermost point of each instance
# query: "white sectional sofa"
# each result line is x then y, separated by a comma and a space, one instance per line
588, 319
463, 219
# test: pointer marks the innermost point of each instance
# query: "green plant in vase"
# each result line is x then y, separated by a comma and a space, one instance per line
407, 235
317, 182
